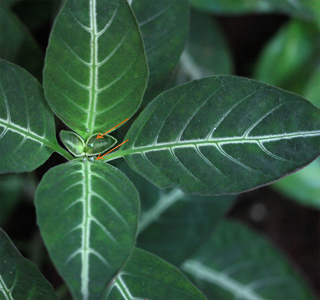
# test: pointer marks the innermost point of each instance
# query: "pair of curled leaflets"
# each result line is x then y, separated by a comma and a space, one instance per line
93, 146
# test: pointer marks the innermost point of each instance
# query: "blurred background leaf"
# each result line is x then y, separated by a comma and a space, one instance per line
17, 45
308, 10
238, 263
206, 52
172, 224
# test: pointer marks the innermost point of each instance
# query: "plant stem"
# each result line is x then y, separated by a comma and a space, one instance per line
57, 148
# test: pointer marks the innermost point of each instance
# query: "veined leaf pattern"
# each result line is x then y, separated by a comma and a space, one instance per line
95, 71
27, 136
95, 209
223, 134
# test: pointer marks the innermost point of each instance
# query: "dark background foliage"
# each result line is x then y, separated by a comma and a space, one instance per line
292, 227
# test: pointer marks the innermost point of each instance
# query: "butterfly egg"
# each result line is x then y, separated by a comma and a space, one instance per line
91, 159
84, 160
90, 145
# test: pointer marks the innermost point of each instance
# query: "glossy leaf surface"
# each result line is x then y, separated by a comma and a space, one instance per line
222, 134
237, 263
95, 209
73, 142
164, 25
95, 71
27, 131
20, 279
17, 44
172, 224
146, 276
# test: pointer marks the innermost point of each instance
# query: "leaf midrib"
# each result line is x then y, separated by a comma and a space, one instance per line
28, 133
216, 141
208, 274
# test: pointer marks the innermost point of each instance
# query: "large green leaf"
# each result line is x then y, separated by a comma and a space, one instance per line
88, 215
206, 52
295, 50
237, 263
95, 70
27, 133
145, 276
222, 134
164, 25
17, 45
19, 278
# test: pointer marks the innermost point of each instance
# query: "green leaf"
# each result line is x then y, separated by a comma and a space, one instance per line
95, 70
95, 146
172, 224
164, 26
73, 142
20, 279
145, 276
17, 45
312, 88
295, 50
27, 133
222, 134
304, 9
94, 209
206, 51
232, 6
237, 263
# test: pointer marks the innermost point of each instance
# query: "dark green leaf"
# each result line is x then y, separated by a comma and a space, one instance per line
95, 71
145, 276
95, 146
237, 263
222, 134
17, 45
164, 26
88, 215
73, 142
206, 51
19, 278
27, 133
172, 224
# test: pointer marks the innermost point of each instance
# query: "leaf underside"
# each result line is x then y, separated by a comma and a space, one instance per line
95, 71
223, 134
27, 129
95, 210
